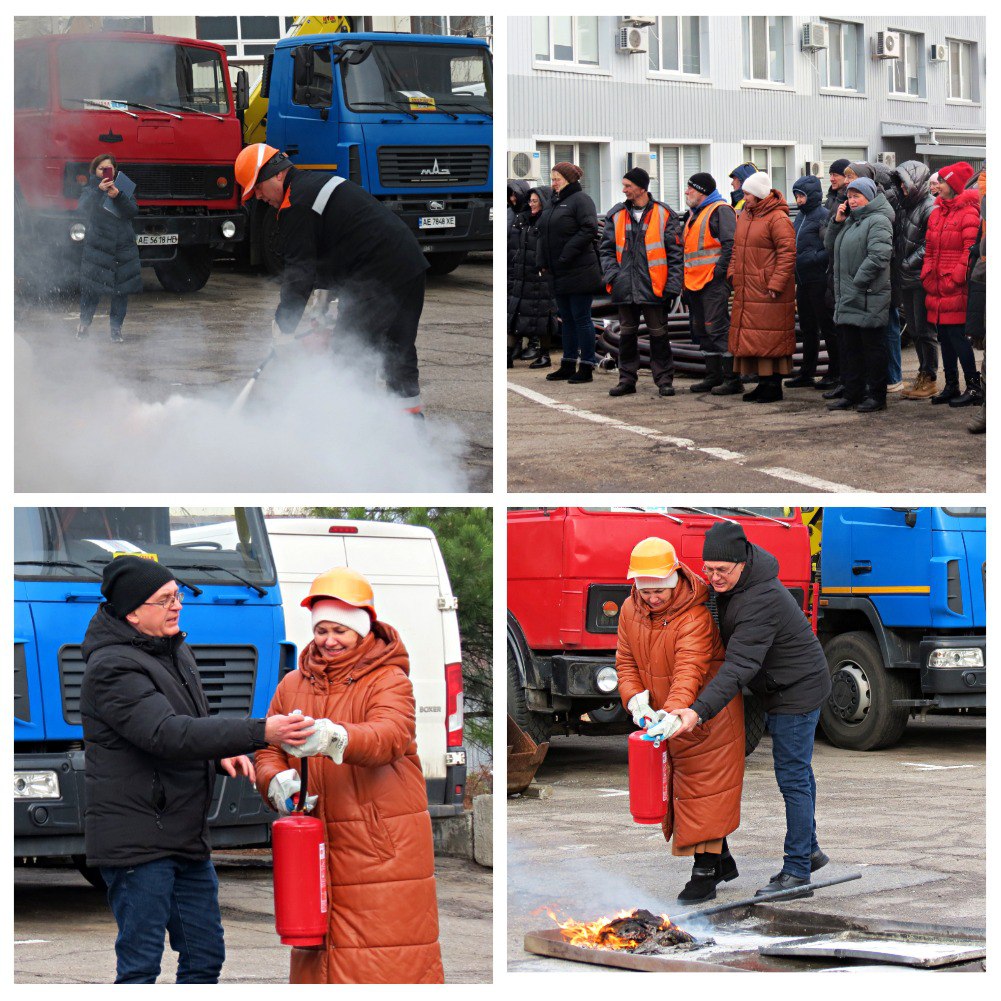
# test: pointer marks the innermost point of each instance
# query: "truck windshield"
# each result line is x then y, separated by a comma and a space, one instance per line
455, 78
966, 512
781, 513
152, 73
74, 543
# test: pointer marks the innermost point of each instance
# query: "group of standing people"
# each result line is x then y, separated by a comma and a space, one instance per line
881, 244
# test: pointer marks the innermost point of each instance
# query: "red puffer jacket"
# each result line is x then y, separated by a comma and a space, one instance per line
952, 229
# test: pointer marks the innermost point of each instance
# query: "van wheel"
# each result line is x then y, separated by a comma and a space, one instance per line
859, 713
754, 723
188, 272
89, 872
537, 725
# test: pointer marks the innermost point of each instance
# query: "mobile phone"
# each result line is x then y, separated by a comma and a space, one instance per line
108, 173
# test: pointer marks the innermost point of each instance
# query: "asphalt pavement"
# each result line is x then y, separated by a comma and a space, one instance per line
64, 932
578, 438
911, 818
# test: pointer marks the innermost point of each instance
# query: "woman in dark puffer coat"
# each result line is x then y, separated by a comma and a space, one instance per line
110, 261
530, 307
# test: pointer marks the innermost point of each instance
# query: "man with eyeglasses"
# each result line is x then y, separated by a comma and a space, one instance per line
152, 752
770, 649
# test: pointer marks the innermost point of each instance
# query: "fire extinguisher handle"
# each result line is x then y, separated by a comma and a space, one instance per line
303, 786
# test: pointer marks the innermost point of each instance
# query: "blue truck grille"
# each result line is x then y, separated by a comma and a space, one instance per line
439, 166
22, 704
228, 674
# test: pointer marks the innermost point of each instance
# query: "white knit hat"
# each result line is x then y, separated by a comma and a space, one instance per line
758, 184
651, 583
333, 610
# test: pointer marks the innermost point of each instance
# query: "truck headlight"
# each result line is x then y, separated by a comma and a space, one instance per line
77, 232
36, 785
962, 656
491, 215
229, 229
607, 680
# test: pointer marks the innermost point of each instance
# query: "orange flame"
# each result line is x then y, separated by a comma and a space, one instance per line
596, 934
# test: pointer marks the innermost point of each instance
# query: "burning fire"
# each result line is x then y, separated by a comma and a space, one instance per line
624, 931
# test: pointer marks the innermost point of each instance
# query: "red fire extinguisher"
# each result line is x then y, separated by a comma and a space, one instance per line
299, 865
647, 778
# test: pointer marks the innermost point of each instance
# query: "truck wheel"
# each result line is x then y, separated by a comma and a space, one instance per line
859, 712
445, 264
537, 725
188, 272
754, 723
89, 872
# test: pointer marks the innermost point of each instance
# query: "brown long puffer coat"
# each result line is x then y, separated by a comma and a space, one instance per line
382, 909
673, 653
763, 260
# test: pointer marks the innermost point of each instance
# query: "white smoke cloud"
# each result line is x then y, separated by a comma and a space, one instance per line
313, 422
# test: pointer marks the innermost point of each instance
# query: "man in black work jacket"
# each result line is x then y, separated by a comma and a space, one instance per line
152, 752
771, 649
333, 234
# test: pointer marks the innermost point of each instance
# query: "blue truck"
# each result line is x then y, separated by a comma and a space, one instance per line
408, 117
902, 616
232, 615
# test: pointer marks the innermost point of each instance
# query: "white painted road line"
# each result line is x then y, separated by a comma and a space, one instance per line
921, 766
686, 444
31, 941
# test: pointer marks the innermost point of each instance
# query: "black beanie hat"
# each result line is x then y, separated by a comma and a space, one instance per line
639, 177
838, 167
130, 580
705, 183
725, 542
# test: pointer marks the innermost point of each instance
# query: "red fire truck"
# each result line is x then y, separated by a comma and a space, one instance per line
164, 108
566, 584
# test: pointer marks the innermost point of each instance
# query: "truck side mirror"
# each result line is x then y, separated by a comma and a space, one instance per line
910, 515
242, 91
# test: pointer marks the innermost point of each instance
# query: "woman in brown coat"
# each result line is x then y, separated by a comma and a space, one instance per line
762, 271
668, 649
382, 912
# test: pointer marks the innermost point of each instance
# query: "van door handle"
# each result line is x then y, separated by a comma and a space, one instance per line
292, 150
83, 596
861, 567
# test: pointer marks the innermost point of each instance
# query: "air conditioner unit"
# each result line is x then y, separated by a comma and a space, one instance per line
887, 159
939, 53
815, 35
886, 45
817, 168
524, 165
631, 40
638, 20
648, 161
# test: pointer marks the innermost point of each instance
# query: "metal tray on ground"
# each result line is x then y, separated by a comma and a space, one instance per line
901, 950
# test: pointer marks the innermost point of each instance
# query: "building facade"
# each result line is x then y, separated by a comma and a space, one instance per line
679, 94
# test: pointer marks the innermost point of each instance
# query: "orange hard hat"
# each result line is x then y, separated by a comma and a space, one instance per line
653, 557
251, 162
345, 585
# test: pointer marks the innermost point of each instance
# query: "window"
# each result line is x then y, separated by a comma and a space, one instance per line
585, 155
838, 63
474, 26
961, 64
243, 36
675, 165
904, 72
31, 78
675, 45
774, 160
765, 48
565, 39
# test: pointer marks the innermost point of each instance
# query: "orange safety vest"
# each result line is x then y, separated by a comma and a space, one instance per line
656, 253
702, 250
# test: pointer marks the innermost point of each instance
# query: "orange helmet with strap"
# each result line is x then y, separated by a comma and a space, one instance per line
258, 162
345, 585
653, 557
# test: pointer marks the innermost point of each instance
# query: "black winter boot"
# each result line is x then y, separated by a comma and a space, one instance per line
531, 351
771, 389
731, 383
714, 375
585, 373
949, 392
705, 876
727, 868
973, 396
566, 369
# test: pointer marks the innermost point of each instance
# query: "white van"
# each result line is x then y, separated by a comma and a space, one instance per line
412, 593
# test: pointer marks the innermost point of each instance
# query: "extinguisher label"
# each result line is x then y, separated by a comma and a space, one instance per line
663, 763
323, 878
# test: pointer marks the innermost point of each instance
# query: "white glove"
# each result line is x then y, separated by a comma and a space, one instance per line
639, 706
282, 788
327, 738
665, 726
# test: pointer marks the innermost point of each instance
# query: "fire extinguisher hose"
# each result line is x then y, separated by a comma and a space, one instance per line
300, 807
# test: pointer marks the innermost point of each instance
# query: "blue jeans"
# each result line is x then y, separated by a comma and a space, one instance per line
893, 371
175, 895
88, 307
792, 752
578, 330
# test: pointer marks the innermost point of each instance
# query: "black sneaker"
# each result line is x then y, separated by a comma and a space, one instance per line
870, 405
785, 881
800, 382
840, 404
666, 390
834, 394
116, 335
622, 389
817, 861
